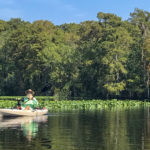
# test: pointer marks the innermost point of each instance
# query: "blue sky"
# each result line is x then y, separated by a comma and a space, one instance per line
67, 11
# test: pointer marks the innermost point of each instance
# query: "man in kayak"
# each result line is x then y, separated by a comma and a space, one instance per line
29, 102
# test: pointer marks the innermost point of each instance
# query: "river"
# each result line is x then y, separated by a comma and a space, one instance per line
116, 129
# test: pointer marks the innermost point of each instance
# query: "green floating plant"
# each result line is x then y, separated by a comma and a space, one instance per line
77, 104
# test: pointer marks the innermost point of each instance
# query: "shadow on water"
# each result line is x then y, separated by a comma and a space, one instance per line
127, 129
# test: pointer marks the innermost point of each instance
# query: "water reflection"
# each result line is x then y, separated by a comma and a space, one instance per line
127, 129
28, 125
100, 130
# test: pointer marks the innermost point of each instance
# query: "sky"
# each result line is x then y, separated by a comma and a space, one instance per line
67, 11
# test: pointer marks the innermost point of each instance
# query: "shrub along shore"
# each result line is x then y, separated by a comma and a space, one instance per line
52, 104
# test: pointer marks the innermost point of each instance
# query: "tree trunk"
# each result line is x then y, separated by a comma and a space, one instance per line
148, 84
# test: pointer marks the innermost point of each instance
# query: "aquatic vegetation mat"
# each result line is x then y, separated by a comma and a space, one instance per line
7, 102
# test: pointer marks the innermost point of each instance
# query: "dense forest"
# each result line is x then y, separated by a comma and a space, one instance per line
107, 58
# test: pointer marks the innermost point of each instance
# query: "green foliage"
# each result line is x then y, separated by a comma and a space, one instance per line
16, 98
108, 58
7, 104
79, 104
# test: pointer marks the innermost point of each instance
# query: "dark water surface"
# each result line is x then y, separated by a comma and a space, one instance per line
78, 130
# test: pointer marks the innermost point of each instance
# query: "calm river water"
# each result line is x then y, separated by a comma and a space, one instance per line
78, 130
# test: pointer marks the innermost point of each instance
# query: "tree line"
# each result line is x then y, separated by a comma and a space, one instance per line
107, 58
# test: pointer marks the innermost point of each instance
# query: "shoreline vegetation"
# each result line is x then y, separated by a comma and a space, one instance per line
104, 59
56, 105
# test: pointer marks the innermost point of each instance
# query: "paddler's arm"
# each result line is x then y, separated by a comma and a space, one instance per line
36, 103
23, 102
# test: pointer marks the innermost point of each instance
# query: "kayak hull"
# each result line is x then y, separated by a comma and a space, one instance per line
16, 112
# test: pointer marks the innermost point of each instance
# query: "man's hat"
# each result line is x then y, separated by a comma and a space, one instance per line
30, 91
